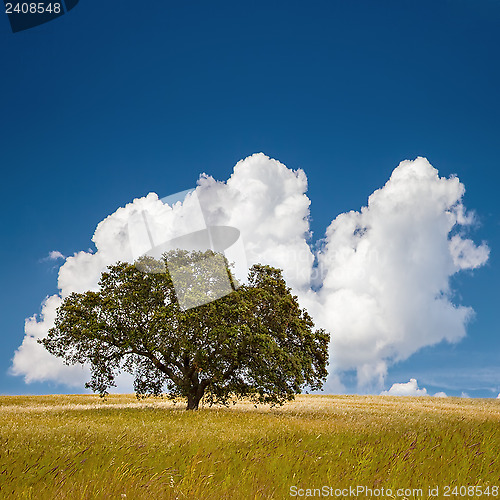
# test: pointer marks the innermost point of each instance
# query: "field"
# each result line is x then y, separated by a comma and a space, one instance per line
81, 447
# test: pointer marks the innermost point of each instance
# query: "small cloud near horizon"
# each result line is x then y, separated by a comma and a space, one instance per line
410, 389
405, 389
441, 394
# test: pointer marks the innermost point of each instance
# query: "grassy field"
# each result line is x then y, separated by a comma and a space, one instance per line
81, 447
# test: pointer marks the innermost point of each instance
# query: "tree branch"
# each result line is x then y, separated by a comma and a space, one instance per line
160, 366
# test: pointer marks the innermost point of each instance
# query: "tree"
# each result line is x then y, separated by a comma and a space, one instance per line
255, 342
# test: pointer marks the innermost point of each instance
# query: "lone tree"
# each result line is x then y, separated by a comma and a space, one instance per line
255, 342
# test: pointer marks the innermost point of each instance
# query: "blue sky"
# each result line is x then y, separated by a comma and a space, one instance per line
115, 99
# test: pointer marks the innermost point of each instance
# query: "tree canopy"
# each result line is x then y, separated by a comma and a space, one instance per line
255, 342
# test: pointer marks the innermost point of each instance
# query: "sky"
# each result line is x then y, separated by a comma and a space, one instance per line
358, 138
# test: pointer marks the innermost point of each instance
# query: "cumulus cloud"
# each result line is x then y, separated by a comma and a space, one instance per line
264, 199
386, 272
498, 397
380, 283
406, 389
440, 395
34, 362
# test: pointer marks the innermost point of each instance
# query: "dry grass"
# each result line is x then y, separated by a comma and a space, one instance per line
81, 447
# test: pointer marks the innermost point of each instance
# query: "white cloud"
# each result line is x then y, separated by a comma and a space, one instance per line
34, 362
466, 255
386, 272
55, 255
264, 199
464, 395
498, 397
383, 288
440, 395
407, 389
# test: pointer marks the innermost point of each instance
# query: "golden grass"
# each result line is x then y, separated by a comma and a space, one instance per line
82, 447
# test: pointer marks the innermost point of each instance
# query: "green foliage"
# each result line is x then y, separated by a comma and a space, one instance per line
255, 342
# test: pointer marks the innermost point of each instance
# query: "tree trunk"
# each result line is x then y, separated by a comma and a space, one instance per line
195, 394
193, 401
